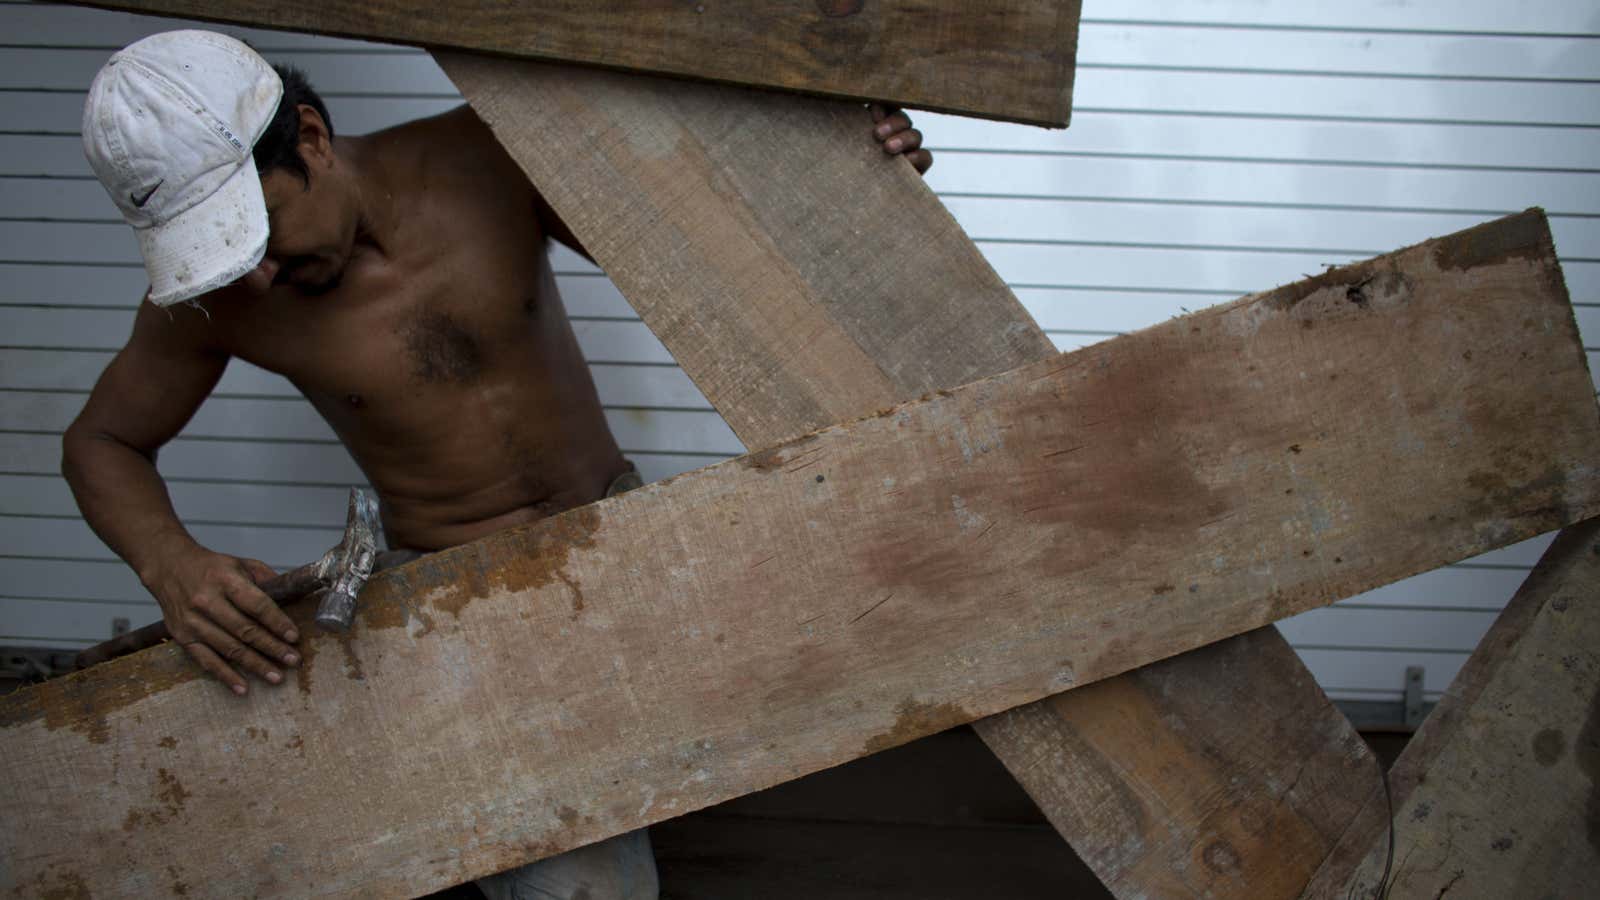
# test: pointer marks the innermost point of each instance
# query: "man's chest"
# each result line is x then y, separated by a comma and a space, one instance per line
444, 316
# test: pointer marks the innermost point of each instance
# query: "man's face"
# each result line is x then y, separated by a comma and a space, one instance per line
311, 233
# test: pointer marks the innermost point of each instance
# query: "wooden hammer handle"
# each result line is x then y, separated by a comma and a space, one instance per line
285, 588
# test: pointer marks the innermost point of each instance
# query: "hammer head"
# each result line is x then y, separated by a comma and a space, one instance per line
351, 563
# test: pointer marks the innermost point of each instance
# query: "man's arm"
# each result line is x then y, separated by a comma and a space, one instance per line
209, 600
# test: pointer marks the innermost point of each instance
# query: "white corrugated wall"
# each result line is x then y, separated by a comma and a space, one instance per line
1217, 148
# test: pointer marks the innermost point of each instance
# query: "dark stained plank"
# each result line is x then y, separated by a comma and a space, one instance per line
840, 594
1005, 59
717, 856
938, 817
1495, 796
1241, 794
802, 279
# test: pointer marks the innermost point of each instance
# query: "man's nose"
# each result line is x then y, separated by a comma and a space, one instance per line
260, 278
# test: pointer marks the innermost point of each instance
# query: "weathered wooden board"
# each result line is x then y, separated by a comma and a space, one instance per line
844, 592
802, 279
798, 274
1240, 792
1495, 796
1007, 59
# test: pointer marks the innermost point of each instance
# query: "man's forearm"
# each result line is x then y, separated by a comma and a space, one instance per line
124, 499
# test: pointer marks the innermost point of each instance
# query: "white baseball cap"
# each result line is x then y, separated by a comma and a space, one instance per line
169, 127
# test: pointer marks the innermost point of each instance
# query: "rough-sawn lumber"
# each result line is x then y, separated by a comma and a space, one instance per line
802, 278
853, 589
1002, 59
1496, 795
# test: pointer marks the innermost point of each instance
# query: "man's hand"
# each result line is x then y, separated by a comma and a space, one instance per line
895, 133
217, 614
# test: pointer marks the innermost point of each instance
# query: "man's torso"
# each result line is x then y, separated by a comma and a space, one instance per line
446, 363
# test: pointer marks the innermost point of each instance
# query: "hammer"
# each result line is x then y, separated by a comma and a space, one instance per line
339, 575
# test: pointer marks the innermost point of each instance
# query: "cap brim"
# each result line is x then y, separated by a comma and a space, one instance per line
210, 244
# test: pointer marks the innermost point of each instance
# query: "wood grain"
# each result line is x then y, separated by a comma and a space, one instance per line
1240, 792
798, 274
845, 592
1498, 797
802, 279
1007, 59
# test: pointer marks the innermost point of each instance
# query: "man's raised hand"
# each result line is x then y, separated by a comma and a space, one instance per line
893, 130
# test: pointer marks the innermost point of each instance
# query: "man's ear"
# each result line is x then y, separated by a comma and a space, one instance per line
316, 144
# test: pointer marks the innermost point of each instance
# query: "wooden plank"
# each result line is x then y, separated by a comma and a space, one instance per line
1522, 827
798, 274
850, 860
1009, 59
842, 593
817, 222
1161, 811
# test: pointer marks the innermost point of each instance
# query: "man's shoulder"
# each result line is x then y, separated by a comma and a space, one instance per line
455, 153
456, 133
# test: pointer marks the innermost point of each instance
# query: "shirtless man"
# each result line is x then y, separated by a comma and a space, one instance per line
398, 279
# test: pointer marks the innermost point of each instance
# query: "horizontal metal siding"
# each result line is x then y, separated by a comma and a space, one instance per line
1218, 147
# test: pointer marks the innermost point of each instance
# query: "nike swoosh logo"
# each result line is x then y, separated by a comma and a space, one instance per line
139, 202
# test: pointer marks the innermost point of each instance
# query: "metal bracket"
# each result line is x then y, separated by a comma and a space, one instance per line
1413, 698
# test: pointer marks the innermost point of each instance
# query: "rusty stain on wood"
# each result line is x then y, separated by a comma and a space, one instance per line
914, 719
635, 713
83, 704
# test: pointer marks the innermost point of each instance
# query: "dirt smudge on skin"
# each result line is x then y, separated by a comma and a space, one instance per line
298, 745
914, 719
168, 742
85, 701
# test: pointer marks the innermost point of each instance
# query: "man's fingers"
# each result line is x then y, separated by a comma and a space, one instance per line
259, 571
234, 652
904, 142
253, 618
253, 601
892, 125
211, 662
879, 111
922, 160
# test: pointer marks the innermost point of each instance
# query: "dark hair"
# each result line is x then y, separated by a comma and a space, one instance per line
279, 146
